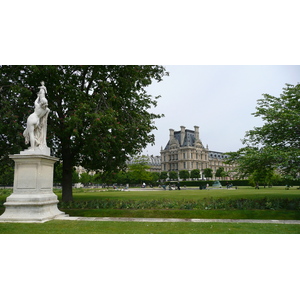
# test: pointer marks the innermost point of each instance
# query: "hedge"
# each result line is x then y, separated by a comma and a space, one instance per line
205, 204
210, 182
281, 182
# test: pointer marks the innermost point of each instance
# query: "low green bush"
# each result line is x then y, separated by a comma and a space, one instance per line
279, 182
210, 182
201, 204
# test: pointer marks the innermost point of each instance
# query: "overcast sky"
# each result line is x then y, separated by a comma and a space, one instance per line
218, 99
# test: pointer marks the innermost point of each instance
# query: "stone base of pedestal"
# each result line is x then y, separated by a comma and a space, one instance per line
32, 199
33, 208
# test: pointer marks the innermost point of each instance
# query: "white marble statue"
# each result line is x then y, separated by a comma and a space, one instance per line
36, 130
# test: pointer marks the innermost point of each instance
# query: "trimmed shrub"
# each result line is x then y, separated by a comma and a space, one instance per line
209, 203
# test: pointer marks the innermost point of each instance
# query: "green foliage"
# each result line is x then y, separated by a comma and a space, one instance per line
234, 183
184, 174
155, 178
85, 178
261, 177
122, 178
181, 203
99, 114
163, 175
242, 198
138, 170
58, 167
58, 174
173, 175
195, 174
220, 172
208, 173
6, 172
252, 160
275, 145
188, 213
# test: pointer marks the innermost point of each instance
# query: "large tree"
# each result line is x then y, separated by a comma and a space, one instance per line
276, 144
99, 114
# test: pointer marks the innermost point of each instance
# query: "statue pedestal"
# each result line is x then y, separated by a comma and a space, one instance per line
32, 199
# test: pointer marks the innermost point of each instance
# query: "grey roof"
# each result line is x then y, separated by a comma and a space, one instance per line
218, 155
189, 138
151, 160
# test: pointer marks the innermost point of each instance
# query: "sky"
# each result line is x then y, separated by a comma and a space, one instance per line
220, 99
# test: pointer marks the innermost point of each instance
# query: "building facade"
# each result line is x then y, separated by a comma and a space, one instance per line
185, 151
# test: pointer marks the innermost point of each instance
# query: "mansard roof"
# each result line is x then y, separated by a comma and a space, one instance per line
218, 155
151, 160
189, 139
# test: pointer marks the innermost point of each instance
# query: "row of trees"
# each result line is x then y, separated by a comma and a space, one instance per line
138, 173
194, 174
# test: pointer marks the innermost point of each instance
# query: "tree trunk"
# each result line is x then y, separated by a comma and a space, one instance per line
67, 193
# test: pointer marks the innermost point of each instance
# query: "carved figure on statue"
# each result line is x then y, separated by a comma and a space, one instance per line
36, 130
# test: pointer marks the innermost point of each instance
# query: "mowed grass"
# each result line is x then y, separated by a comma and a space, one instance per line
187, 194
187, 214
98, 227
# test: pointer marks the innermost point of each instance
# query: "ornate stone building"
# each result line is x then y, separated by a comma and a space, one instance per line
185, 151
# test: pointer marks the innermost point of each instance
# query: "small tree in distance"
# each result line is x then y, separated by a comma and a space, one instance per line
163, 176
173, 175
208, 173
195, 174
220, 172
184, 174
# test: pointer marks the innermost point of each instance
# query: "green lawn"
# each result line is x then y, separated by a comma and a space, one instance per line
188, 194
96, 227
158, 197
188, 214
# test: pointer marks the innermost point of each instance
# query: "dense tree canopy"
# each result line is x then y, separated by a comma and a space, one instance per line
195, 173
173, 175
220, 172
99, 114
276, 144
208, 173
184, 174
163, 176
139, 170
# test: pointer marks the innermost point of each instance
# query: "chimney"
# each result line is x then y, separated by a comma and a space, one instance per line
182, 135
196, 132
171, 134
